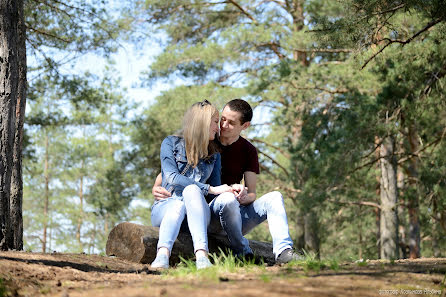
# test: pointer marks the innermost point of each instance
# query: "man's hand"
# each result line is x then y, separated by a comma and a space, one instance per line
160, 193
239, 191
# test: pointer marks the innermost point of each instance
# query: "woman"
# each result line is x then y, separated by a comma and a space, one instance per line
190, 168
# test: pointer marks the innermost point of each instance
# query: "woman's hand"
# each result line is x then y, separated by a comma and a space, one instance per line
219, 189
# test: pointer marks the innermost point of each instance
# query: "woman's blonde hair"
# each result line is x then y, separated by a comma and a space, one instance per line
196, 124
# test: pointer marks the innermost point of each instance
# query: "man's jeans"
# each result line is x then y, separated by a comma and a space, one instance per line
228, 216
168, 214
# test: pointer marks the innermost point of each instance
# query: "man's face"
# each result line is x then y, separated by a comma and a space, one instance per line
230, 124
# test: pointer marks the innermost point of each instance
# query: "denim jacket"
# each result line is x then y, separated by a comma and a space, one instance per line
173, 161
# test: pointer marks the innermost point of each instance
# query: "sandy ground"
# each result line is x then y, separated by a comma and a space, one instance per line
70, 275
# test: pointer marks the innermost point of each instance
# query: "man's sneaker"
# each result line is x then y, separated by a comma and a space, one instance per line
288, 255
203, 262
161, 261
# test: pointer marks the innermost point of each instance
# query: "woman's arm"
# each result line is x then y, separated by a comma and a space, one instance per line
214, 179
170, 169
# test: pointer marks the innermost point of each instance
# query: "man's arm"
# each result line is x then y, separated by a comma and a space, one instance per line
159, 192
250, 182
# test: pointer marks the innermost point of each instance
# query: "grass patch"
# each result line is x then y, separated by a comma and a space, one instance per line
224, 264
310, 263
2, 288
361, 262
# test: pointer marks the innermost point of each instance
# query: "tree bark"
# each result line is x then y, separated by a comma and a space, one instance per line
81, 208
413, 205
300, 231
389, 198
47, 195
312, 242
377, 211
138, 243
16, 180
9, 78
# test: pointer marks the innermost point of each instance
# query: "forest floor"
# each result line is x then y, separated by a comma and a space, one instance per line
70, 275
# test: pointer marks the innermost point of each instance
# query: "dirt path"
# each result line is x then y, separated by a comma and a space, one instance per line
34, 274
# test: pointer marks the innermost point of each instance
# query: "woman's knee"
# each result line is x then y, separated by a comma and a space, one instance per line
177, 208
191, 191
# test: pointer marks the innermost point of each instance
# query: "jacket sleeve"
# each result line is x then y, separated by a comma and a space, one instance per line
215, 177
170, 169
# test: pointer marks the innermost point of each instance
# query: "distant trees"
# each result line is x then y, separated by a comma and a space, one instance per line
54, 33
402, 42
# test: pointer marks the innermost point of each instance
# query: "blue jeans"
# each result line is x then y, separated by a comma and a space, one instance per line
235, 220
168, 214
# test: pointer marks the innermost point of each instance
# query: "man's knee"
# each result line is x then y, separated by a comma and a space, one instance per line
226, 202
227, 198
276, 196
274, 200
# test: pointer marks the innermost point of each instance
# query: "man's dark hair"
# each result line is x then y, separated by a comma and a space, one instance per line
243, 107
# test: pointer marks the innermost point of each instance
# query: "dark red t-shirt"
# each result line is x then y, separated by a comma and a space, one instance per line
236, 159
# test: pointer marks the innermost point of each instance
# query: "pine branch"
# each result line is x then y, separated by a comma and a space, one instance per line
417, 153
242, 10
403, 42
366, 203
274, 46
270, 145
275, 162
279, 181
434, 78
324, 50
48, 34
394, 9
335, 91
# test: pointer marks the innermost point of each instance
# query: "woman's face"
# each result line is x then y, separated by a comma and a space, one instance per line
213, 129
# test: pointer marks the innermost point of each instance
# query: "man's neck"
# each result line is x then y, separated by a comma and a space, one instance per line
228, 140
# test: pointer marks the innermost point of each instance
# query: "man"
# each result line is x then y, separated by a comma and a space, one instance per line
238, 213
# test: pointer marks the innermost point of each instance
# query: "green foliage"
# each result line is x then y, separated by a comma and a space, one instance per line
78, 164
311, 264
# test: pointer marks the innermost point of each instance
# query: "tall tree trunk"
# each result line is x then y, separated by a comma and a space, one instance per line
437, 236
377, 213
16, 180
413, 203
312, 233
389, 198
47, 195
377, 210
299, 243
402, 223
9, 78
360, 240
81, 209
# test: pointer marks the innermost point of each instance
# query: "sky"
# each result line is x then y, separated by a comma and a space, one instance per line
130, 63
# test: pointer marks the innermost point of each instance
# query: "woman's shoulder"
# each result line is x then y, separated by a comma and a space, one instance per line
173, 139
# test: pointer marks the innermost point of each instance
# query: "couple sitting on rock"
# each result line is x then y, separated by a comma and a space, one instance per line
201, 163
